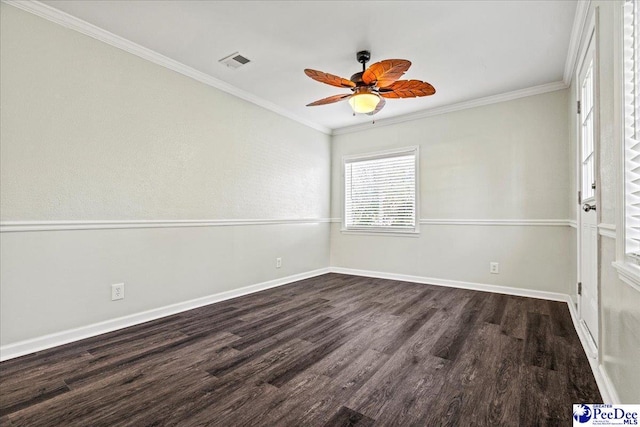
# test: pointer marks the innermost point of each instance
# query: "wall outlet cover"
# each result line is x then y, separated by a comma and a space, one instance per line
494, 268
117, 291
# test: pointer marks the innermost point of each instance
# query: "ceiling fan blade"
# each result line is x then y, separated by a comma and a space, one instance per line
379, 107
329, 79
407, 89
330, 99
384, 73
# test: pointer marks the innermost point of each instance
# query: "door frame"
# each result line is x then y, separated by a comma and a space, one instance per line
591, 36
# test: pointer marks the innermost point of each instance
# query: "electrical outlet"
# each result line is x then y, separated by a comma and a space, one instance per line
278, 262
494, 268
117, 291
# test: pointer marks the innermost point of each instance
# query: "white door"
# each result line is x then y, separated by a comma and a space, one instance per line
588, 298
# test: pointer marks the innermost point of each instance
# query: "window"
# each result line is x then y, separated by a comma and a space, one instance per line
631, 132
380, 192
586, 131
628, 259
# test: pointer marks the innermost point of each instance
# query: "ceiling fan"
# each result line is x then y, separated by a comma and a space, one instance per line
370, 87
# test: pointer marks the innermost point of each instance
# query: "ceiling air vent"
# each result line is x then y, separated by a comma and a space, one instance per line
235, 60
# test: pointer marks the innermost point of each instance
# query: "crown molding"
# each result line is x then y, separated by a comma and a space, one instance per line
579, 22
69, 21
19, 226
493, 99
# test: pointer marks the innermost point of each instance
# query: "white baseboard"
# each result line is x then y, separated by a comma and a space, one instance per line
59, 338
553, 296
605, 385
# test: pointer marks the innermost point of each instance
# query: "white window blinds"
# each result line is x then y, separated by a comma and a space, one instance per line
380, 192
631, 129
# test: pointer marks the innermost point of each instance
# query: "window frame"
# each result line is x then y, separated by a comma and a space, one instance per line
626, 265
381, 231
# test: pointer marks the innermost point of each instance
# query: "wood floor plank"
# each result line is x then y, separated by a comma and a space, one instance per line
281, 311
194, 351
38, 384
331, 350
408, 305
407, 330
337, 391
513, 321
348, 317
494, 309
96, 402
265, 330
258, 348
94, 405
538, 350
316, 353
536, 401
14, 402
343, 358
465, 382
389, 381
454, 336
497, 371
346, 417
371, 398
561, 321
503, 382
221, 391
97, 366
280, 409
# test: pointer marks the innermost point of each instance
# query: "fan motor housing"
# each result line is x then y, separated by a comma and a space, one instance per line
357, 79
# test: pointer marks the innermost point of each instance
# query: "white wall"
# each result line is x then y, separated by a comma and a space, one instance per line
619, 302
89, 132
505, 161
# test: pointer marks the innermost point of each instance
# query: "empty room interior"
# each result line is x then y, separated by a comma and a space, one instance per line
318, 213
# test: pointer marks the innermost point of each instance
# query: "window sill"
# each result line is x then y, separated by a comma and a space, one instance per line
381, 233
628, 273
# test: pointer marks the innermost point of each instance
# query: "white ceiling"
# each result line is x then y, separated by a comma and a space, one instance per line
466, 49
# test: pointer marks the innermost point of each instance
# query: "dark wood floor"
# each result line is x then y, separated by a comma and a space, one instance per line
334, 350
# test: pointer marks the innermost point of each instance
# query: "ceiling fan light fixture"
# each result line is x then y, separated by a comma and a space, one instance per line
371, 87
363, 103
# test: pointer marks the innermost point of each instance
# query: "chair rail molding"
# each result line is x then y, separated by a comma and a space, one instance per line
19, 226
499, 222
607, 230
